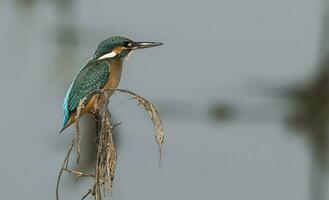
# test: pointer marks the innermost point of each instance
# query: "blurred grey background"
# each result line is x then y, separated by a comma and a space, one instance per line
242, 87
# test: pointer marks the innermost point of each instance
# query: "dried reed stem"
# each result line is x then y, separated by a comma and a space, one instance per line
154, 116
106, 153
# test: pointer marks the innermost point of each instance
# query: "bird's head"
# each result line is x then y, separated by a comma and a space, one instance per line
119, 47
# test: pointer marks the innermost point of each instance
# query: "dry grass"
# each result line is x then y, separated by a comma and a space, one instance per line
106, 156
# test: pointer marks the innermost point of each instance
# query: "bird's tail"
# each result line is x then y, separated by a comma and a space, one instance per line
64, 123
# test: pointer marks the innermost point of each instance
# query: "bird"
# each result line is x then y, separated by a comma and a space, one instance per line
102, 71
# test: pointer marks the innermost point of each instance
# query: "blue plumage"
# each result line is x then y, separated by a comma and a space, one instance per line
92, 76
66, 110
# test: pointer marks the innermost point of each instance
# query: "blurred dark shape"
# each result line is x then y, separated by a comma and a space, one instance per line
310, 114
67, 35
254, 112
311, 108
25, 3
221, 111
193, 111
67, 32
64, 4
310, 117
67, 40
25, 8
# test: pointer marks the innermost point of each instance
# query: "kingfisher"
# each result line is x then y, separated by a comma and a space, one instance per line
102, 71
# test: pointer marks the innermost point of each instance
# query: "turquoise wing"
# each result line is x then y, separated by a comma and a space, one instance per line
92, 76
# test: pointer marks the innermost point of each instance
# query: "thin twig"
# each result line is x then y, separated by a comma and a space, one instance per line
61, 171
80, 174
86, 195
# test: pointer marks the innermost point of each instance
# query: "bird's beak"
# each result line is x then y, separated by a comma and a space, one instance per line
143, 45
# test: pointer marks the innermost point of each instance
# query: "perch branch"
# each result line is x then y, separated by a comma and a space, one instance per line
106, 153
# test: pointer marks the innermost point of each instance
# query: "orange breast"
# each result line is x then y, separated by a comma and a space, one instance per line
115, 74
85, 110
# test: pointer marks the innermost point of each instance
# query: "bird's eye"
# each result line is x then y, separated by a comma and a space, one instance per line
129, 44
